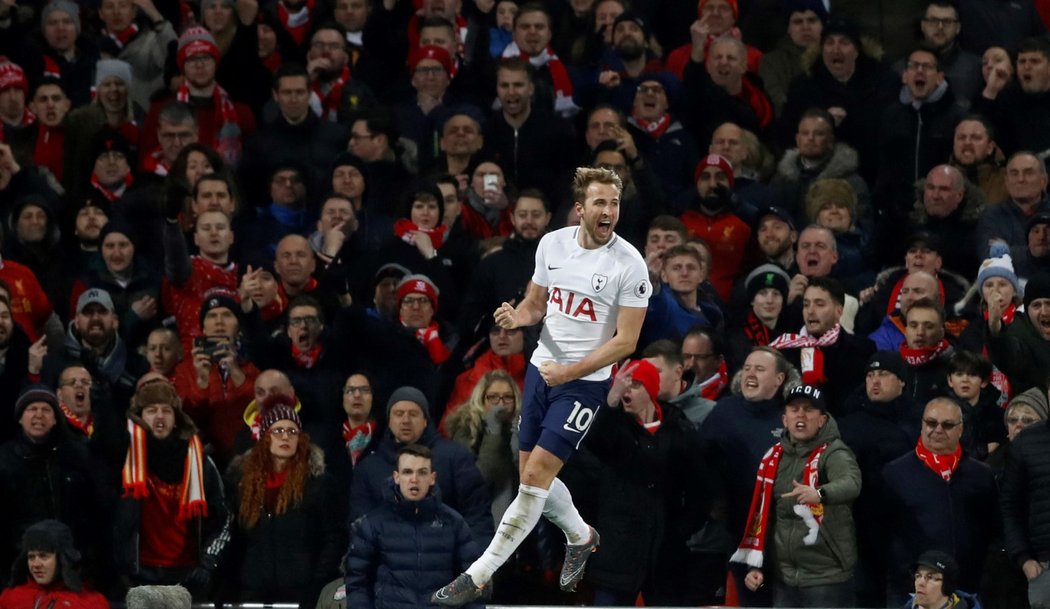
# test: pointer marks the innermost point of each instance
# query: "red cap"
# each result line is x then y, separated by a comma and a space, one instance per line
430, 51
11, 75
715, 160
646, 373
418, 284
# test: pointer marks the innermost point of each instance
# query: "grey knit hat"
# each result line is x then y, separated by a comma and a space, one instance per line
409, 394
112, 67
65, 6
1034, 398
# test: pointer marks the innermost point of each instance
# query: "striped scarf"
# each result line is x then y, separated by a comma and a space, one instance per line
227, 140
193, 502
563, 103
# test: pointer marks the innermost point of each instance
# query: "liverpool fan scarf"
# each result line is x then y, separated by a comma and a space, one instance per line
656, 128
559, 75
134, 475
755, 330
154, 164
306, 359
111, 194
298, 23
357, 438
123, 37
921, 356
998, 379
85, 427
329, 102
403, 226
811, 356
228, 133
712, 387
752, 546
943, 465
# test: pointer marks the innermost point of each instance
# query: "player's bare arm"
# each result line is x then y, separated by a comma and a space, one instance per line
529, 312
628, 327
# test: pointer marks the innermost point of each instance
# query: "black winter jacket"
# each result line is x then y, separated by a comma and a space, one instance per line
1025, 495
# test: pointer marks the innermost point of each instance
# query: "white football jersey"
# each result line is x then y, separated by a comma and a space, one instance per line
585, 289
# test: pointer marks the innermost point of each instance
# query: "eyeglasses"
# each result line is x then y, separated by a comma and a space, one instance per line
306, 320
654, 89
415, 301
280, 432
929, 577
362, 389
1014, 420
74, 382
430, 70
922, 66
319, 45
495, 398
935, 22
945, 425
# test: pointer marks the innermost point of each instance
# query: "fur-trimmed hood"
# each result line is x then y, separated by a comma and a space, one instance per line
969, 209
842, 164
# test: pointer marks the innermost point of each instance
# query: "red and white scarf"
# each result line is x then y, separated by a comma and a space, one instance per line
298, 23
85, 427
328, 103
403, 226
656, 128
563, 103
712, 387
227, 140
111, 194
921, 356
154, 164
357, 438
752, 546
943, 465
124, 36
306, 359
193, 502
811, 354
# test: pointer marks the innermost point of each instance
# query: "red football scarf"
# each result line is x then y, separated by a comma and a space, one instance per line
87, 428
112, 195
712, 387
559, 75
404, 226
297, 24
50, 149
357, 438
943, 465
330, 101
756, 331
227, 140
193, 502
306, 359
752, 546
51, 68
124, 36
656, 128
923, 355
154, 164
811, 356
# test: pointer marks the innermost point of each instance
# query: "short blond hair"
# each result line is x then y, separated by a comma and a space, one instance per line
585, 176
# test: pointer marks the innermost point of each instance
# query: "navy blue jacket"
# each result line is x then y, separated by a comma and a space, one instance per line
923, 512
403, 551
458, 477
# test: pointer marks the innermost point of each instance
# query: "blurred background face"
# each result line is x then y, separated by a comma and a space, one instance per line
1018, 417
357, 397
804, 28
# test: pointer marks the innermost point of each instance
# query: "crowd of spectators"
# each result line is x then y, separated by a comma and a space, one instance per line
251, 251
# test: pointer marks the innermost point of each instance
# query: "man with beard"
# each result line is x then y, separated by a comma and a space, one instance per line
940, 31
93, 341
1022, 349
592, 288
661, 141
334, 94
622, 67
89, 216
712, 218
775, 237
1019, 109
172, 523
827, 356
976, 154
503, 276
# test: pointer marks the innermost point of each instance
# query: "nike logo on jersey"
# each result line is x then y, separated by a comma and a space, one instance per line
553, 268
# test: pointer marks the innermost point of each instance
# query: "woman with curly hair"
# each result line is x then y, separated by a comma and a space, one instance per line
286, 507
486, 424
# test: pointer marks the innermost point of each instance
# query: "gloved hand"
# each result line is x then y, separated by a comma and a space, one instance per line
432, 341
494, 419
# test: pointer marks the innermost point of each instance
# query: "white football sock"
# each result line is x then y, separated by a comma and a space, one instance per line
519, 519
560, 510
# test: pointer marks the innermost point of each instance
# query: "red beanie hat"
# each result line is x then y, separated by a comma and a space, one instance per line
732, 5
646, 373
418, 284
11, 75
431, 51
196, 41
715, 160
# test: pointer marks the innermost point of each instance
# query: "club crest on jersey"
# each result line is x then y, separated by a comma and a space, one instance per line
598, 281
